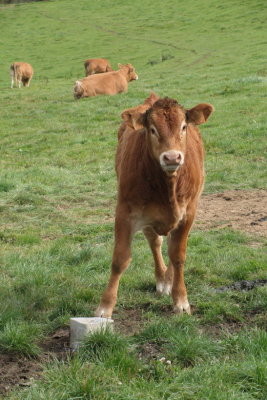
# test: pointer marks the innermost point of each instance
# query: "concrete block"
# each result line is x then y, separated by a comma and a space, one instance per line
81, 327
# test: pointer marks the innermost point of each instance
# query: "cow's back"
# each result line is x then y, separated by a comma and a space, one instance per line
96, 66
108, 83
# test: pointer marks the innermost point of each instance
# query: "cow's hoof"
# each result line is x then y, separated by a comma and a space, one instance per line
103, 312
182, 307
163, 288
167, 289
159, 287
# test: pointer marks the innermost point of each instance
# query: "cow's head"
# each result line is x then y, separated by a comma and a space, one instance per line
166, 124
130, 71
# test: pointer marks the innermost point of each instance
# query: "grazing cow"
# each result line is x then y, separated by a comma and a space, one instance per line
96, 66
21, 72
108, 83
160, 178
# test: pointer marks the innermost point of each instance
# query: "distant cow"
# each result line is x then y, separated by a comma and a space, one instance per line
21, 72
96, 66
160, 178
108, 83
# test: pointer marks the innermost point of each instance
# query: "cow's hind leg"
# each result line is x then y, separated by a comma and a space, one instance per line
155, 243
26, 82
12, 78
120, 261
177, 253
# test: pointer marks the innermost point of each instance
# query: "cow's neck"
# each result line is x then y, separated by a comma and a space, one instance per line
125, 73
172, 194
164, 186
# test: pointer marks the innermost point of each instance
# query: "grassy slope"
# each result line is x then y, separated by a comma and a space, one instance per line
58, 187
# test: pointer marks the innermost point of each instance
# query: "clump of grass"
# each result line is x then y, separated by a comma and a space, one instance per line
27, 198
219, 307
110, 349
27, 239
20, 337
180, 341
73, 380
247, 343
6, 186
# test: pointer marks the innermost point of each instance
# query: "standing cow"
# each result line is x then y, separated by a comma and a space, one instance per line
160, 178
109, 83
21, 72
96, 66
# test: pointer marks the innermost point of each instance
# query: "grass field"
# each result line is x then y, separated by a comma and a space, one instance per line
58, 193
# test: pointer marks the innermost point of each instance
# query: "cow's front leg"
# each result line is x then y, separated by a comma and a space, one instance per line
120, 261
155, 243
177, 252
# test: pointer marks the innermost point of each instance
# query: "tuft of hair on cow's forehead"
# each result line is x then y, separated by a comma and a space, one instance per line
168, 108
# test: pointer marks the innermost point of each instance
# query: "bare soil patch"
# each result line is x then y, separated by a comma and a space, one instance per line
244, 210
128, 321
16, 370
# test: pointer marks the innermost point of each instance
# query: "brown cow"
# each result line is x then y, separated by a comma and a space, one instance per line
160, 178
96, 66
108, 83
21, 72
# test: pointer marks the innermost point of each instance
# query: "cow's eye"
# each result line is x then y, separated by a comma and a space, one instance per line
184, 128
153, 131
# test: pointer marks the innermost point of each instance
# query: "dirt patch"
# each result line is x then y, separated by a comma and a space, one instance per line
243, 285
16, 370
150, 351
244, 210
128, 321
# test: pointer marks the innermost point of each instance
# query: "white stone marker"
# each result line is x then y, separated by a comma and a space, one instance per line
80, 327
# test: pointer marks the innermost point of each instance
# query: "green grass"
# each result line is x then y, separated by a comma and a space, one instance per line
58, 194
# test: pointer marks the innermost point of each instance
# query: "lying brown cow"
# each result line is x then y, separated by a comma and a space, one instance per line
96, 66
160, 178
108, 83
21, 72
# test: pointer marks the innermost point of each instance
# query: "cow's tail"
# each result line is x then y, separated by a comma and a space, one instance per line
12, 70
86, 66
78, 90
13, 75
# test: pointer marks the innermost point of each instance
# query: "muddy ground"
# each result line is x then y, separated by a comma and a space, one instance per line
237, 209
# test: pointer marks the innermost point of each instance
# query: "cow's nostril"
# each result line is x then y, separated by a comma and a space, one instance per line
166, 157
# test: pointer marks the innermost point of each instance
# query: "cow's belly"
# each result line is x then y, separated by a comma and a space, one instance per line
160, 220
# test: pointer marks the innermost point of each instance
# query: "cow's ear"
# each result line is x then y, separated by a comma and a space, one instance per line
133, 119
199, 114
151, 99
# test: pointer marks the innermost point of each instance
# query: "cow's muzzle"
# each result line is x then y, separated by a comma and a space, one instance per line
171, 160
